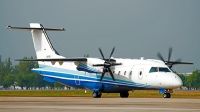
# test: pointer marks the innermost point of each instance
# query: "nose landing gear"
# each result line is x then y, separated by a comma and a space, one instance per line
166, 92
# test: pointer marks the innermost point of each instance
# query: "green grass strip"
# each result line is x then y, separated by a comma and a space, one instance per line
81, 93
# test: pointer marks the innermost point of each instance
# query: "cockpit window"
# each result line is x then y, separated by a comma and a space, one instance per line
159, 69
153, 69
162, 69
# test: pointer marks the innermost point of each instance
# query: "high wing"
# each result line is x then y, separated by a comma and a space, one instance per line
59, 59
54, 59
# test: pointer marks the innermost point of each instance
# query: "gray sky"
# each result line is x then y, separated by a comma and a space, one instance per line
137, 28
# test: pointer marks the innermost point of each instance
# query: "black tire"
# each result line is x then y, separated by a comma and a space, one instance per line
166, 95
124, 94
169, 95
96, 94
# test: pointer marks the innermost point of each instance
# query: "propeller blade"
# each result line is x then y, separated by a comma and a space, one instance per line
111, 74
102, 75
170, 53
172, 70
184, 63
178, 60
101, 53
114, 64
98, 65
175, 62
111, 53
160, 57
171, 63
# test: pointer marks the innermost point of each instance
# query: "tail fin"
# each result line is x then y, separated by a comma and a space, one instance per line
43, 46
42, 43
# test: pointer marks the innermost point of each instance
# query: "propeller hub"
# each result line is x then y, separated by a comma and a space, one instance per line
107, 64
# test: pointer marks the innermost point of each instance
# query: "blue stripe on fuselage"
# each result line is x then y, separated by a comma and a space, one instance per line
78, 79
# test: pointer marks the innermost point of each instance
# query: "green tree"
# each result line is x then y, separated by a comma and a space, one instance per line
183, 78
196, 79
41, 82
8, 66
9, 80
193, 81
86, 55
24, 80
32, 80
1, 71
58, 85
5, 69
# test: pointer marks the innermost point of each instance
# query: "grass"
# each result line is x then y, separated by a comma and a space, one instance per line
81, 93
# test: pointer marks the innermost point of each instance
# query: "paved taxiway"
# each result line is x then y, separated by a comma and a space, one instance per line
75, 104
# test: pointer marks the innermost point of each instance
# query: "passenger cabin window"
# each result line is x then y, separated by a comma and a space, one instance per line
125, 73
131, 73
162, 69
153, 69
140, 72
119, 73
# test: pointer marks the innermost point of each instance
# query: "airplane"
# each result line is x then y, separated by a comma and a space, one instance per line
101, 75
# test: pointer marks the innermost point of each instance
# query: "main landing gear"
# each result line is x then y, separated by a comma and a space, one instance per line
124, 94
166, 95
96, 94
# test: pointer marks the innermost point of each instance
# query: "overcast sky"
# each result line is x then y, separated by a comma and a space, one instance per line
137, 28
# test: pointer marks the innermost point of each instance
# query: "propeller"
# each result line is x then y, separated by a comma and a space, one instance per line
107, 64
168, 62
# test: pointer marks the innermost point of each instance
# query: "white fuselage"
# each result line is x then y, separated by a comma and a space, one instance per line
130, 70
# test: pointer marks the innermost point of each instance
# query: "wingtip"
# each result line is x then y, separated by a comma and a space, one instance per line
7, 27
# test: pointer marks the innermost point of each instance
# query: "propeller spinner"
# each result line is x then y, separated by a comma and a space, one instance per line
107, 64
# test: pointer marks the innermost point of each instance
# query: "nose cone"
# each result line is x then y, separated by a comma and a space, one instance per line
175, 82
171, 81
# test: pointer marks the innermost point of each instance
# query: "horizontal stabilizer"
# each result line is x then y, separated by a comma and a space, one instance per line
54, 59
29, 29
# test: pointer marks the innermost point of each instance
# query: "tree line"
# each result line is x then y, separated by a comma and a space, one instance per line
21, 75
191, 82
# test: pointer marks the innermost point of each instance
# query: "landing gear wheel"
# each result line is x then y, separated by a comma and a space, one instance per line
166, 95
124, 94
96, 94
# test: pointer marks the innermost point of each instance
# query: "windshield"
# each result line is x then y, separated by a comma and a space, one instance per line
153, 69
159, 69
162, 69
